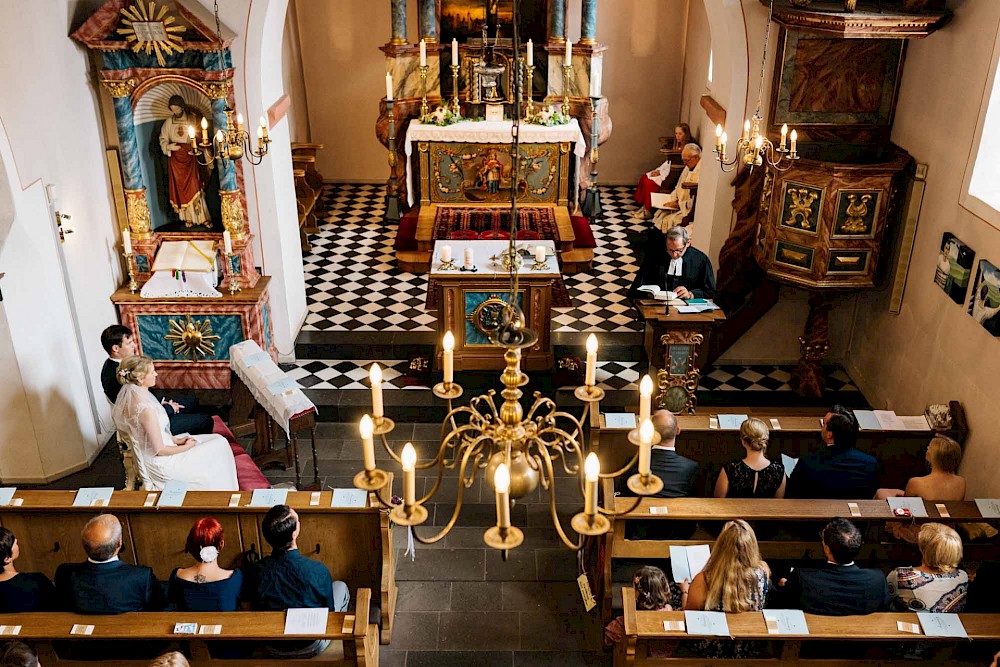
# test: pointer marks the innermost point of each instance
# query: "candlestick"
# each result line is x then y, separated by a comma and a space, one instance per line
456, 107
388, 87
227, 242
591, 372
423, 53
592, 470
375, 376
409, 458
501, 482
567, 73
448, 346
367, 443
645, 447
392, 200
529, 104
645, 396
424, 109
133, 286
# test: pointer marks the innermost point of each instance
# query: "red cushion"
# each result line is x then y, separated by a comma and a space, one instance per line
583, 233
248, 474
406, 233
527, 235
494, 234
463, 235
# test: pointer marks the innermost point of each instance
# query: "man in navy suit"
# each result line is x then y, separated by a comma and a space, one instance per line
103, 584
839, 471
838, 587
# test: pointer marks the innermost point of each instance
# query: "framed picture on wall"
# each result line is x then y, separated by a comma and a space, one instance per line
954, 267
984, 306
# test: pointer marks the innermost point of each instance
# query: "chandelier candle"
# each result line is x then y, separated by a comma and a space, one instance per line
204, 130
409, 476
784, 135
375, 375
645, 395
591, 372
367, 443
501, 482
592, 470
645, 447
239, 122
194, 143
795, 138
447, 359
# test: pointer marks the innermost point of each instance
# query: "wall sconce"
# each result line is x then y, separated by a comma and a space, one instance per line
50, 193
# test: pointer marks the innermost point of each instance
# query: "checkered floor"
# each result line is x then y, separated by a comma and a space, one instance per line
765, 378
352, 283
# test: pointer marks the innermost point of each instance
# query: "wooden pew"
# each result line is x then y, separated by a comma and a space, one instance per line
874, 513
354, 543
643, 627
305, 200
358, 640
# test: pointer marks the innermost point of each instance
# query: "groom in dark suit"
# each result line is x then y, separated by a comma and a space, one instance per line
103, 584
673, 264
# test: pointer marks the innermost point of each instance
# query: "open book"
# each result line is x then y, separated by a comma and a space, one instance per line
655, 292
663, 200
196, 256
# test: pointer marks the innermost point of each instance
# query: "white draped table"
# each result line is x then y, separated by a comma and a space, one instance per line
489, 132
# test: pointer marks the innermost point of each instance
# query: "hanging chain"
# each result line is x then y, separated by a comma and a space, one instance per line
515, 158
763, 60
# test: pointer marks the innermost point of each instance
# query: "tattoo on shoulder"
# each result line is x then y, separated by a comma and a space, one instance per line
200, 578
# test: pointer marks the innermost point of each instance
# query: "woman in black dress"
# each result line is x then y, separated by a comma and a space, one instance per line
205, 586
754, 476
21, 591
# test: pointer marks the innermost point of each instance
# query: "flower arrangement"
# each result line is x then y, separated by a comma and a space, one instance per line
549, 116
441, 116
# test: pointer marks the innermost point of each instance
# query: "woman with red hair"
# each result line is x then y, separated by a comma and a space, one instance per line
205, 586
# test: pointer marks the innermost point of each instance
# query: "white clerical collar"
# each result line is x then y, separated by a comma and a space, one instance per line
675, 266
101, 562
841, 565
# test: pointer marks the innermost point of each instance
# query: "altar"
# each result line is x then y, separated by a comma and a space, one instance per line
470, 301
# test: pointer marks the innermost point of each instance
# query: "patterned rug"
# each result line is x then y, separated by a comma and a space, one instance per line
533, 223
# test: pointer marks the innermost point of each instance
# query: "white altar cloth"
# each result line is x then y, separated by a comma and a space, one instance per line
486, 132
484, 250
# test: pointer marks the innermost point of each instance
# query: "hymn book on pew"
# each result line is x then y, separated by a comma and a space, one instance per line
789, 464
268, 497
888, 420
785, 622
915, 506
712, 623
98, 496
7, 494
622, 420
172, 494
687, 562
306, 621
989, 507
349, 498
942, 625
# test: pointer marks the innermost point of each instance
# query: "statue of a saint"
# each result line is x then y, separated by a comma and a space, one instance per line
187, 181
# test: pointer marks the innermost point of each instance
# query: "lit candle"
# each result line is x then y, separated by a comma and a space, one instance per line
467, 258
263, 127
784, 134
723, 141
388, 87
746, 130
375, 375
204, 130
591, 373
127, 241
645, 395
531, 53
409, 476
191, 136
501, 482
239, 122
592, 470
718, 138
367, 427
540, 254
445, 254
795, 139
219, 137
645, 446
423, 53
448, 346
260, 132
227, 242
454, 51
569, 53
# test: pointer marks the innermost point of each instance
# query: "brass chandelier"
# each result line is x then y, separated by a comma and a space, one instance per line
516, 451
234, 142
753, 148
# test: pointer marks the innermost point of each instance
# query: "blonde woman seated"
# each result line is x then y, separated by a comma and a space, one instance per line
204, 462
735, 579
755, 476
936, 584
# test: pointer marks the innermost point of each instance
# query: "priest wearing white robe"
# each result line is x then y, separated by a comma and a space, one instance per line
679, 202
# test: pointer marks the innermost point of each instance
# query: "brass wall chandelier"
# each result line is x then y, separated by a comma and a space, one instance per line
516, 450
753, 148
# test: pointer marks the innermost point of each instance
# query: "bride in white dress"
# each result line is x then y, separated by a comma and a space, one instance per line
204, 462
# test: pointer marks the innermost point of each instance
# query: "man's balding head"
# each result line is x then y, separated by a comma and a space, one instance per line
665, 424
102, 537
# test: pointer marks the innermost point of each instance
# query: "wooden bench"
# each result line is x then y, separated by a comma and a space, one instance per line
305, 201
355, 642
643, 627
354, 543
874, 514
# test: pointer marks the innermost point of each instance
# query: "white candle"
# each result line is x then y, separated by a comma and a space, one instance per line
531, 53
645, 394
388, 87
204, 130
540, 254
367, 444
445, 254
448, 346
718, 138
569, 53
501, 482
239, 122
218, 137
592, 470
127, 241
645, 446
409, 476
722, 145
591, 373
375, 375
227, 242
263, 127
784, 134
795, 139
746, 130
191, 136
467, 258
454, 51
423, 53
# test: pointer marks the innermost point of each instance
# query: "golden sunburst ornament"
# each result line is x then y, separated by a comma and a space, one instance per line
192, 338
149, 29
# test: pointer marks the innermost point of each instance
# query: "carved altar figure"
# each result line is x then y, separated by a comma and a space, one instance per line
187, 182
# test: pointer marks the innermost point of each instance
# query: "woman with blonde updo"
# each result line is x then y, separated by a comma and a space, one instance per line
937, 584
754, 476
204, 462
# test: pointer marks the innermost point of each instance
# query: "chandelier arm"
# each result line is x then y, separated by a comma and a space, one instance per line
444, 445
382, 501
571, 445
540, 402
458, 507
388, 450
605, 512
472, 447
552, 507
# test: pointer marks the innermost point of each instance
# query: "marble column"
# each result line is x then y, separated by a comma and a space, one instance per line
557, 21
588, 22
428, 20
398, 22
